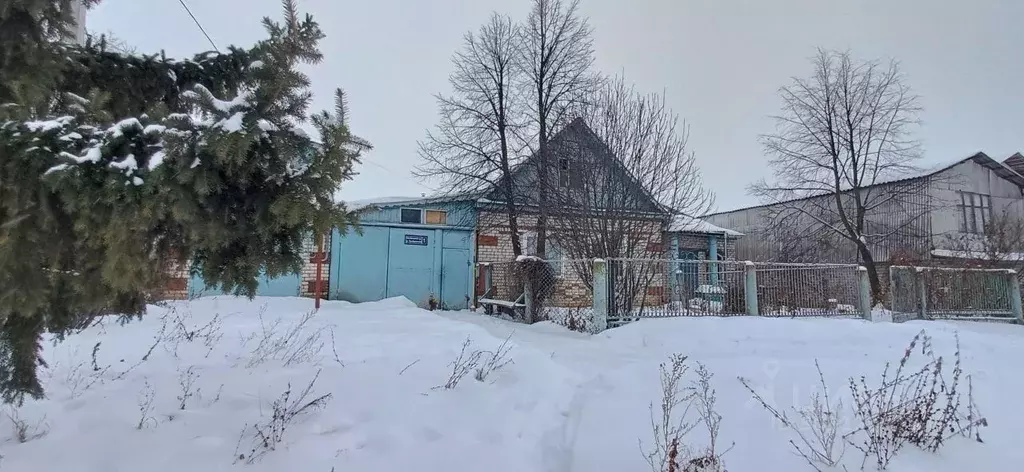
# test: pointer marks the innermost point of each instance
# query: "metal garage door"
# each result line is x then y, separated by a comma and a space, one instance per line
411, 264
397, 261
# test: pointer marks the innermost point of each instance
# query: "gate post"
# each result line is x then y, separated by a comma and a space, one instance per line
864, 290
600, 302
750, 288
1015, 300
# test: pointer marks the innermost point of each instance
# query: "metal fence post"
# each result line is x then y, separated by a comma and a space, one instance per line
600, 308
750, 288
864, 290
922, 292
1015, 300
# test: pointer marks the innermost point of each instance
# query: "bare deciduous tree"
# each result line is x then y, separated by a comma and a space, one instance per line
556, 59
474, 146
618, 178
841, 132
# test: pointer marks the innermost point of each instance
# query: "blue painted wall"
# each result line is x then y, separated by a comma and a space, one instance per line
287, 285
460, 214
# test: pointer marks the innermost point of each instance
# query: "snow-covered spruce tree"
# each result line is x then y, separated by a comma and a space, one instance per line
115, 166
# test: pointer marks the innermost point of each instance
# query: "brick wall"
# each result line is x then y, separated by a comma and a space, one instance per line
176, 286
309, 258
494, 245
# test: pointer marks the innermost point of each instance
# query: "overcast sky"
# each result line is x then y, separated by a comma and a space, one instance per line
720, 62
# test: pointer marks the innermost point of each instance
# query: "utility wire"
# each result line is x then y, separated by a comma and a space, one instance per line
374, 163
208, 38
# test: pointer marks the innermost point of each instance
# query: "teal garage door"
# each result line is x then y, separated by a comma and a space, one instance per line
362, 277
456, 270
409, 262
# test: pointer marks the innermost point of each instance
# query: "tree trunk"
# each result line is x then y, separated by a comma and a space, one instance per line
542, 217
868, 261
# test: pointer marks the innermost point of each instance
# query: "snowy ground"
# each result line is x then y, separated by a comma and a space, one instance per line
568, 402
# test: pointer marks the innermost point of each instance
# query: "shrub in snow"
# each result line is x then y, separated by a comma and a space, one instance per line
465, 363
180, 328
146, 398
922, 407
187, 380
494, 360
817, 428
265, 435
481, 363
669, 452
23, 430
290, 344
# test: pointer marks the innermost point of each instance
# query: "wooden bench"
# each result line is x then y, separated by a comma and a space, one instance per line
504, 306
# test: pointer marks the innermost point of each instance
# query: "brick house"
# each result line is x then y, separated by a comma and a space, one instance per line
578, 158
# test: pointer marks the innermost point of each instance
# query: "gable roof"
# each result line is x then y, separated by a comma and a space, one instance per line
980, 158
575, 136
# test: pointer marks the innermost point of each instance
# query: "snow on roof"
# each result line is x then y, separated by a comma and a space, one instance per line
686, 224
978, 255
372, 202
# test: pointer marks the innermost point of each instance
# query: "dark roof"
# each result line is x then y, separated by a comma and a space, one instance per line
578, 138
1015, 162
980, 158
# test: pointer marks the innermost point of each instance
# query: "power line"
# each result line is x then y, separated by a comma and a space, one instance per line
208, 38
394, 172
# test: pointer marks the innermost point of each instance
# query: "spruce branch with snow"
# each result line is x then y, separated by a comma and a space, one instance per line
115, 166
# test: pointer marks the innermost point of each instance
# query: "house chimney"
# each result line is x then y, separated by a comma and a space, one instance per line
1015, 162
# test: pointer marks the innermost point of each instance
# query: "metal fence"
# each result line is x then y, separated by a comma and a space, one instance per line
589, 295
808, 289
646, 288
953, 293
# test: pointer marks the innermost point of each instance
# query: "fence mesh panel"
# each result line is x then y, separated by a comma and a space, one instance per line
561, 290
807, 289
646, 288
934, 292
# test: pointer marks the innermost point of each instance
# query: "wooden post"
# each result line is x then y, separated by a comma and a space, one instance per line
319, 268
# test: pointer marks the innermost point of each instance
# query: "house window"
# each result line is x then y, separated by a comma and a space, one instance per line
436, 217
528, 241
975, 212
555, 256
563, 173
412, 215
